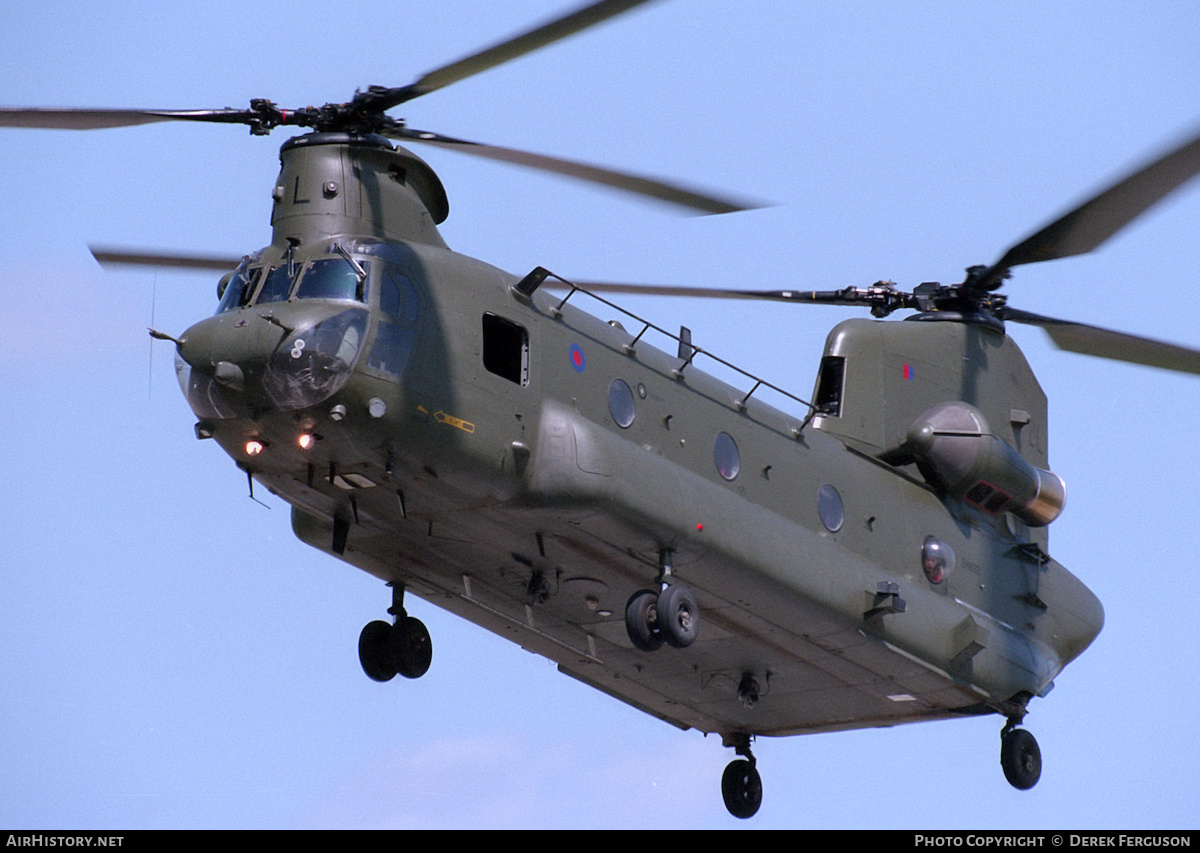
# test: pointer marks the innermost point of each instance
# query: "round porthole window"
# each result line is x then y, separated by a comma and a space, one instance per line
829, 508
937, 559
620, 403
725, 454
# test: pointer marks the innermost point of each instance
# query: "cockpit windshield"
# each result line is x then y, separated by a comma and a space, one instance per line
334, 278
276, 286
324, 278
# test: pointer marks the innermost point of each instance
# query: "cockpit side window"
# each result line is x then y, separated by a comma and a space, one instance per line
239, 289
396, 331
397, 296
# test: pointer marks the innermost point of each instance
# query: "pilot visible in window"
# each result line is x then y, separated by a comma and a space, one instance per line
937, 560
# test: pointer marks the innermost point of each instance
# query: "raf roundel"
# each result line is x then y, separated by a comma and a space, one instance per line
578, 361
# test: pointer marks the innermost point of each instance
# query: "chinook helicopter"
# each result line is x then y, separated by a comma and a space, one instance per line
565, 468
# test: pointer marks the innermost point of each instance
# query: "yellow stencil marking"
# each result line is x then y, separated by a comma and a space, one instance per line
443, 418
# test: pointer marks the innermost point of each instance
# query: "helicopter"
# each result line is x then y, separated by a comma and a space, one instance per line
342, 534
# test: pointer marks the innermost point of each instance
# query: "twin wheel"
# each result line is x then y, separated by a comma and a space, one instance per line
653, 618
400, 649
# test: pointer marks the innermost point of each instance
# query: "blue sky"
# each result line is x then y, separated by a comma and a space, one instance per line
172, 657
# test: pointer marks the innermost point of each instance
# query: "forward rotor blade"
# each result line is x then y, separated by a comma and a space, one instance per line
1105, 343
1094, 221
512, 48
55, 118
122, 257
637, 184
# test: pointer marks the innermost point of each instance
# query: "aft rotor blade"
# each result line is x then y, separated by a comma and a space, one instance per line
1094, 221
653, 290
882, 298
637, 184
512, 48
1105, 343
56, 118
123, 257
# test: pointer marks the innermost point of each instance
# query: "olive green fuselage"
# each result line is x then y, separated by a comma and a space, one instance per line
530, 466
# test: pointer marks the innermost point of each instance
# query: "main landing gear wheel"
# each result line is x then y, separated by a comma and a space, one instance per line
741, 786
678, 615
641, 621
1020, 757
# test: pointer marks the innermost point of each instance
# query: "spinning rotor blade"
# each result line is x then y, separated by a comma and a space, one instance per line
56, 118
882, 297
637, 184
1094, 221
375, 101
846, 296
120, 257
1105, 343
365, 113
655, 290
512, 48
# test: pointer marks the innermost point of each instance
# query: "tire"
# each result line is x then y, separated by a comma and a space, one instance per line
678, 616
1021, 759
641, 621
374, 651
741, 788
411, 647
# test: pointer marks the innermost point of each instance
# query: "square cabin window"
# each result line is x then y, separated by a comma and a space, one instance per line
506, 349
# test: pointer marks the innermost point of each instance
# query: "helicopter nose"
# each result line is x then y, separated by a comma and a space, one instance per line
292, 357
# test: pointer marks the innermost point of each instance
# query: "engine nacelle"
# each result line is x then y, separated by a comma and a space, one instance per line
956, 451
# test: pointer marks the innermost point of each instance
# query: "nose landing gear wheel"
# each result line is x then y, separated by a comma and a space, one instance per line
1020, 757
741, 787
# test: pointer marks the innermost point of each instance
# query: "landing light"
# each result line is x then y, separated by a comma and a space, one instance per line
254, 447
306, 440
